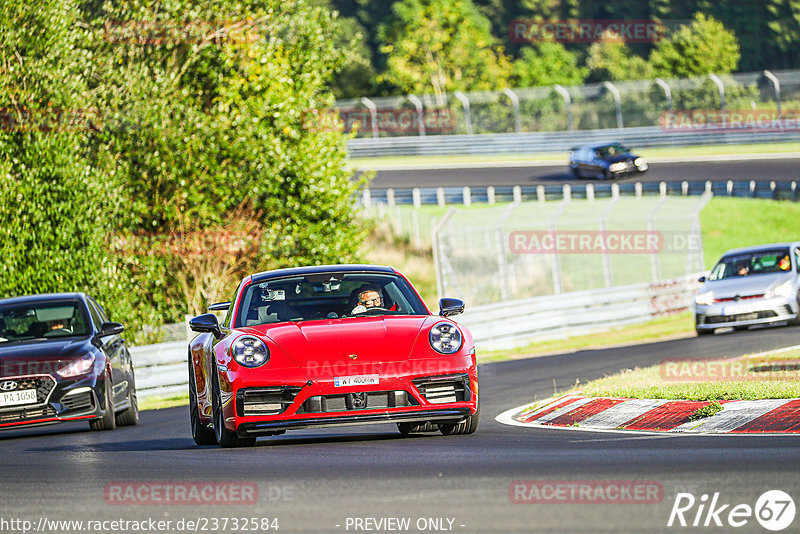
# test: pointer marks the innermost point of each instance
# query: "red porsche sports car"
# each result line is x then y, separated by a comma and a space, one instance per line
328, 346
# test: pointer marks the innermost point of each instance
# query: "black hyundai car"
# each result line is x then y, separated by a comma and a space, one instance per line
61, 359
606, 161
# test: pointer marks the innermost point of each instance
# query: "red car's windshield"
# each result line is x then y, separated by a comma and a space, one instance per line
327, 296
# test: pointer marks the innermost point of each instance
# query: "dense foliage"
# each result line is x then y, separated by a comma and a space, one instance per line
747, 36
194, 152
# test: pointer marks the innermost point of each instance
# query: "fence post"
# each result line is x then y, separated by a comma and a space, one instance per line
373, 112
490, 195
416, 197
366, 198
684, 188
667, 92
615, 190
752, 188
776, 85
637, 187
714, 78
465, 104
540, 196
566, 191
617, 100
590, 192
420, 120
729, 187
390, 197
567, 104
515, 104
466, 194
517, 194
662, 189
440, 197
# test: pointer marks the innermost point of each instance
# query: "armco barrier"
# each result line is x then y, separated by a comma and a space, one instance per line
538, 142
162, 369
516, 323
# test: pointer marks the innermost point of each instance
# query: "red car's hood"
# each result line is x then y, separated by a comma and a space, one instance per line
371, 339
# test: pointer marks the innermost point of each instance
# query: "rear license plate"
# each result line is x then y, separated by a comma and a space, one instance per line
13, 398
358, 380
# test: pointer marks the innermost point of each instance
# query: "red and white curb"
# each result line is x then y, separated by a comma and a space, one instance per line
577, 412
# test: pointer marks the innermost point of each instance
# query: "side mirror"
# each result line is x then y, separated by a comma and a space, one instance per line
206, 323
701, 279
110, 329
448, 307
220, 306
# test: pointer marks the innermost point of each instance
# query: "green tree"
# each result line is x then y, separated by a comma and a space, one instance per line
54, 208
611, 59
547, 64
437, 46
703, 47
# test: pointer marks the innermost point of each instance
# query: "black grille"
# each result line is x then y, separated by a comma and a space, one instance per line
42, 384
444, 389
357, 401
265, 401
26, 414
752, 316
79, 401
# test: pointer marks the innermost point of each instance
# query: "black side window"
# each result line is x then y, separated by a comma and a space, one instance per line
97, 319
797, 259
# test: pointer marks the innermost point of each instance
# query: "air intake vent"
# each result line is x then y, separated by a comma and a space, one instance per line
265, 401
357, 401
78, 401
444, 389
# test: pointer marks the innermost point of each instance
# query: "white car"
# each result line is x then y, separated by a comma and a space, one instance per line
749, 286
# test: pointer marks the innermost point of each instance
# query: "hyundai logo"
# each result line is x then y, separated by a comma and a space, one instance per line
8, 385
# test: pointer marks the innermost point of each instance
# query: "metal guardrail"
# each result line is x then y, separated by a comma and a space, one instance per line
516, 323
162, 369
542, 142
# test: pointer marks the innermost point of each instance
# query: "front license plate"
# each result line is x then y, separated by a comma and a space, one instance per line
13, 398
359, 380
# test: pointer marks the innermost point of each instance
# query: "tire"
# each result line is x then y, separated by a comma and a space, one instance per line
467, 426
201, 434
412, 428
130, 416
704, 332
224, 437
108, 421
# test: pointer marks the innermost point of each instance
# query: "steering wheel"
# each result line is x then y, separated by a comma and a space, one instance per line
56, 332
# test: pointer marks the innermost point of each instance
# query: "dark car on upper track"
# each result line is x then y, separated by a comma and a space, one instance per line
606, 161
61, 359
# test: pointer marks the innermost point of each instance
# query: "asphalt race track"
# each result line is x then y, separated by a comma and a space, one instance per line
333, 480
751, 169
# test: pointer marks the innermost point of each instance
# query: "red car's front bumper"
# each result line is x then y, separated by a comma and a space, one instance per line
264, 403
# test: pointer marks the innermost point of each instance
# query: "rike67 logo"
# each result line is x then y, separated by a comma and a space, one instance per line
774, 510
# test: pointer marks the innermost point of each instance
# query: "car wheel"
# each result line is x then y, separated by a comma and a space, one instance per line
412, 428
108, 421
704, 332
201, 434
608, 175
576, 172
130, 416
467, 426
224, 437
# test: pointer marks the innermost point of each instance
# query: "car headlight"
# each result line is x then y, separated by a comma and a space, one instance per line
78, 367
250, 351
445, 338
786, 289
704, 299
619, 166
